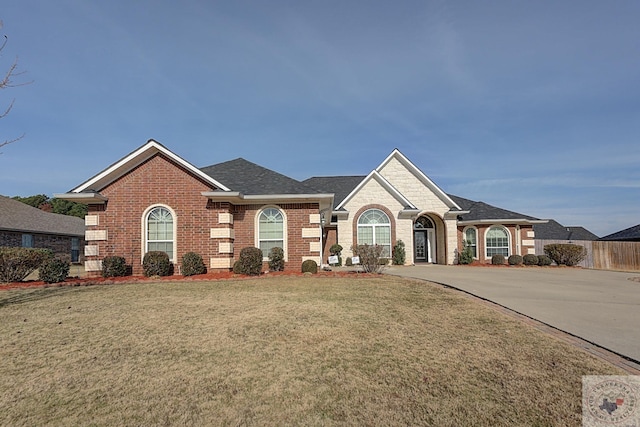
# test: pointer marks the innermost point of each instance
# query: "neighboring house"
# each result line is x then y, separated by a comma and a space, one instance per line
22, 225
553, 230
631, 234
153, 199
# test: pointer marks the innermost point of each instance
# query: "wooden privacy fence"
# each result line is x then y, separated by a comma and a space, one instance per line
603, 255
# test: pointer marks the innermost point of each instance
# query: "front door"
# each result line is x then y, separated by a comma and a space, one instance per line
421, 247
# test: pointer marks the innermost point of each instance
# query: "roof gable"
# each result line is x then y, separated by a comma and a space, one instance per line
374, 175
18, 216
135, 158
249, 178
424, 179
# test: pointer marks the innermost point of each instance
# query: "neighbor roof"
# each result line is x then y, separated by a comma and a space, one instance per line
631, 233
249, 178
553, 230
17, 216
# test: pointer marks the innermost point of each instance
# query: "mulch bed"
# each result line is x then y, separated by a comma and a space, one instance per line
89, 281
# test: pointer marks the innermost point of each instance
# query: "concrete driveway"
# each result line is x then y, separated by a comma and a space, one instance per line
599, 306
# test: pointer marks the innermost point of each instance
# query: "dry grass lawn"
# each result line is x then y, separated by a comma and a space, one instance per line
279, 351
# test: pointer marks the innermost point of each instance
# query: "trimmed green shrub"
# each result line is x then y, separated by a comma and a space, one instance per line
114, 266
515, 260
336, 250
18, 263
544, 260
156, 263
497, 259
237, 267
250, 261
348, 262
466, 256
370, 256
310, 266
530, 259
565, 253
399, 255
276, 259
53, 270
192, 264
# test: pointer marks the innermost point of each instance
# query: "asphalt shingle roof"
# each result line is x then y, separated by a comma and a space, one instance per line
631, 233
553, 230
340, 186
17, 216
249, 178
481, 210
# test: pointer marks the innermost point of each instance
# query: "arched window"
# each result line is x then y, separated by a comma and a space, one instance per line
497, 241
471, 238
159, 233
374, 228
270, 230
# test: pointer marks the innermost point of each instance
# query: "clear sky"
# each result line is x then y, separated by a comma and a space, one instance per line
532, 106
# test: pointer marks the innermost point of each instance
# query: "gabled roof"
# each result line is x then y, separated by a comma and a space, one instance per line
480, 211
553, 230
17, 216
426, 181
375, 175
629, 234
135, 158
340, 186
251, 179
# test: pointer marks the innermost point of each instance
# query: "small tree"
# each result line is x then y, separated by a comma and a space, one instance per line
370, 256
466, 255
399, 255
565, 253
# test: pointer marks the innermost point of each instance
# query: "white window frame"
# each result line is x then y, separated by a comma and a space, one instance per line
285, 233
486, 241
374, 227
464, 237
145, 230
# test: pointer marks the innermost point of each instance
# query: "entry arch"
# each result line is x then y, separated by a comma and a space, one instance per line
429, 239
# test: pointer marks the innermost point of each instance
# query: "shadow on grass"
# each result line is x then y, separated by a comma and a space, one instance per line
19, 296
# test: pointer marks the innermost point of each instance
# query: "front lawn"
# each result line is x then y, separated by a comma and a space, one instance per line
279, 351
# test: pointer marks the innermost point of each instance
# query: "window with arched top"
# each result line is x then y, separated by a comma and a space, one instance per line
497, 241
271, 226
374, 228
471, 240
160, 231
423, 222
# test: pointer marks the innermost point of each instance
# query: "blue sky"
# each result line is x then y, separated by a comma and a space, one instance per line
532, 106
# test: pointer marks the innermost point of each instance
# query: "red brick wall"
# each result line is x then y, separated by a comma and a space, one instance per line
60, 245
482, 230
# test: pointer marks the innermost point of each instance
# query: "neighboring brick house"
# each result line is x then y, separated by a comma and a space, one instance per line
153, 199
22, 225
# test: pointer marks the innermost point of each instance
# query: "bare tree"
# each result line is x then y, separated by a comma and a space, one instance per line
8, 82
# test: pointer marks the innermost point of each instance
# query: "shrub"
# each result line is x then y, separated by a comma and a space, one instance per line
156, 263
515, 260
348, 262
530, 259
369, 257
54, 270
497, 259
250, 261
192, 264
18, 263
114, 266
466, 256
310, 266
336, 250
276, 259
544, 260
384, 261
236, 267
565, 253
399, 254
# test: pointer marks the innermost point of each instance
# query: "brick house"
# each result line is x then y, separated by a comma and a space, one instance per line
22, 225
154, 200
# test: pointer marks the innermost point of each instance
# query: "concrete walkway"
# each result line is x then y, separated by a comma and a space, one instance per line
602, 307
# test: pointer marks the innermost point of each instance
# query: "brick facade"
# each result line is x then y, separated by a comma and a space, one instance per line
521, 239
61, 246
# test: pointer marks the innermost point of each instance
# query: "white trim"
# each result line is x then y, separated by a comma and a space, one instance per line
420, 175
385, 184
285, 230
373, 229
145, 214
134, 159
509, 243
464, 237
